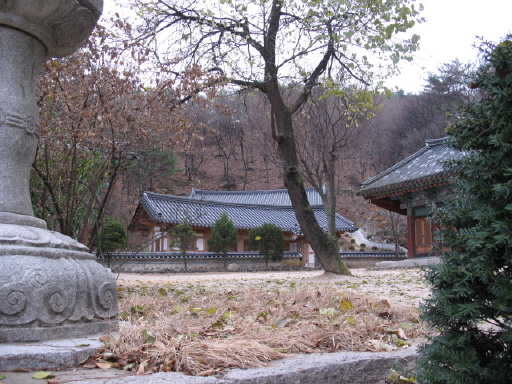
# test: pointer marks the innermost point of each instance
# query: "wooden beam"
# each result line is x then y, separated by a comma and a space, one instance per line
393, 206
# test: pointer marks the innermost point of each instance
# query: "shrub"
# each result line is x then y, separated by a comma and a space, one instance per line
292, 263
268, 239
224, 236
111, 237
184, 238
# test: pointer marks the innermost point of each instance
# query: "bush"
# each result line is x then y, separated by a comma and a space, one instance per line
184, 238
224, 236
351, 248
268, 239
374, 248
353, 241
111, 237
292, 263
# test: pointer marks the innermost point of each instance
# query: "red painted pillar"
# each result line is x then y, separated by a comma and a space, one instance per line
411, 235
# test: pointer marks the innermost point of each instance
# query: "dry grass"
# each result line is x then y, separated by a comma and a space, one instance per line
202, 329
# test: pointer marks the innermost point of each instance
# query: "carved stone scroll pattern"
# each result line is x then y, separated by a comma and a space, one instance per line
54, 292
15, 120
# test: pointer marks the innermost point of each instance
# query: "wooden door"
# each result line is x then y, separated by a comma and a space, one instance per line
423, 236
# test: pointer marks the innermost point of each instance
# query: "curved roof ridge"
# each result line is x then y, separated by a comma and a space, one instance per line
276, 197
185, 199
248, 191
419, 170
435, 142
395, 166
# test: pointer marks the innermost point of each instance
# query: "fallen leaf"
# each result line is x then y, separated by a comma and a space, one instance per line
88, 363
43, 375
151, 366
208, 372
104, 365
201, 360
137, 309
283, 322
388, 347
351, 320
346, 305
401, 343
327, 311
149, 338
159, 344
140, 369
401, 334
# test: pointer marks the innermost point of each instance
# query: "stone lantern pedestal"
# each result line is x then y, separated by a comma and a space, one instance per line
51, 287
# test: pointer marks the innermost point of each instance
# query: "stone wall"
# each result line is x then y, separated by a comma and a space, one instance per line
198, 264
154, 262
356, 259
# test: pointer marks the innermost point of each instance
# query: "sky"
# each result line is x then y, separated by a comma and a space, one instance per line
449, 32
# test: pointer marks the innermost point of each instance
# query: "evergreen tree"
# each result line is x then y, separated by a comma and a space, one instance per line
111, 237
471, 303
269, 240
150, 167
184, 238
224, 236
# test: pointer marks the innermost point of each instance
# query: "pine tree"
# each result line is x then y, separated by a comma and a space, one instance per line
111, 238
471, 303
269, 240
224, 236
184, 238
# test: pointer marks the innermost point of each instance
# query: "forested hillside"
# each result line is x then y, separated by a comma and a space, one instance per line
106, 137
228, 146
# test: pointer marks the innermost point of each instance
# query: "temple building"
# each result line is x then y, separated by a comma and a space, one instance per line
157, 214
410, 186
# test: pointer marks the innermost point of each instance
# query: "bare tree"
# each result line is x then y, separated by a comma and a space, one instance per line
95, 115
327, 129
269, 44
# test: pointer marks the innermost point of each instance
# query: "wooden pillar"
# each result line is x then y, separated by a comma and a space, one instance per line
411, 236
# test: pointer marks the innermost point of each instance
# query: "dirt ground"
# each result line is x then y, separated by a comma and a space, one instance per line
405, 286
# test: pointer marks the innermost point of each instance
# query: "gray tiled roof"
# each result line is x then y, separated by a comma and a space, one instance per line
263, 197
203, 213
420, 170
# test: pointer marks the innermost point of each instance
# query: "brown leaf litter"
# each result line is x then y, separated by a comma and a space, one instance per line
205, 328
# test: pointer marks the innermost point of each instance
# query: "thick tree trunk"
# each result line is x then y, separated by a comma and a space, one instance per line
330, 203
325, 247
